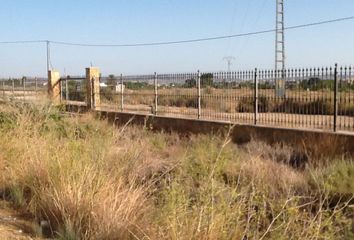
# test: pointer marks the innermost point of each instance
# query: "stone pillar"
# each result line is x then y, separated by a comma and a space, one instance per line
92, 87
54, 90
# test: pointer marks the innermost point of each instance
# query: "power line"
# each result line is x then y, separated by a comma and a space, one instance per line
205, 39
243, 45
243, 23
24, 42
184, 41
228, 44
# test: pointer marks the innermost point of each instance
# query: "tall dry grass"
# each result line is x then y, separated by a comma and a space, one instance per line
56, 169
90, 180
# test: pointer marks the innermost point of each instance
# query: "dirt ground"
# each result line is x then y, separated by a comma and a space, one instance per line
14, 226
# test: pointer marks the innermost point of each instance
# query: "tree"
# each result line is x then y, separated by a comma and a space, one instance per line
190, 83
314, 81
111, 81
23, 80
207, 79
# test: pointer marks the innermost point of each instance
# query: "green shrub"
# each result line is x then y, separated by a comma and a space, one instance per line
7, 121
340, 178
293, 105
246, 105
206, 80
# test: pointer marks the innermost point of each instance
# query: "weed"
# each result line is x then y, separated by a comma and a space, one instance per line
88, 180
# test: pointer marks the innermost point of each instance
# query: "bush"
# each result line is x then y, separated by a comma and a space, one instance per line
246, 105
7, 121
339, 178
318, 107
206, 80
292, 105
316, 84
190, 83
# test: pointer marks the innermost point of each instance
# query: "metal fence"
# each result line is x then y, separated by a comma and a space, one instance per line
316, 98
25, 88
73, 88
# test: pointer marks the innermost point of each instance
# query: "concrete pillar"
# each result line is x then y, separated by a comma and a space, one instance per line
93, 87
54, 90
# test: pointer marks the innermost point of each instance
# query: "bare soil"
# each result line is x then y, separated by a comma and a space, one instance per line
15, 226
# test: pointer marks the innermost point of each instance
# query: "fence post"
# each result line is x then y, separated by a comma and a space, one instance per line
92, 87
66, 89
121, 93
54, 90
199, 95
255, 97
155, 83
335, 114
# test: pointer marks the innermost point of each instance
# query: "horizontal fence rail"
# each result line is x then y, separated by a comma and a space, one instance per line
23, 89
316, 98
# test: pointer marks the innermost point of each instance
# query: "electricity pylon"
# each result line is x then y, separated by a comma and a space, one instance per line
229, 60
279, 50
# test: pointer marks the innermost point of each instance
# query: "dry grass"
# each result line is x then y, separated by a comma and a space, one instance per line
90, 180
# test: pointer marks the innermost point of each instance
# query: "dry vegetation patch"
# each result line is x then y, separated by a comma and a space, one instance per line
90, 180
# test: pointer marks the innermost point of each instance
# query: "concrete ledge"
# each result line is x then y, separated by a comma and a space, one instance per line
76, 107
314, 142
317, 143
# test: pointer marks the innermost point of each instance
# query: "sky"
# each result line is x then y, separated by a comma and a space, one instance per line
136, 21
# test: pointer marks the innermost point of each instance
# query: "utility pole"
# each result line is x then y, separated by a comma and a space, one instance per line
229, 60
279, 50
48, 56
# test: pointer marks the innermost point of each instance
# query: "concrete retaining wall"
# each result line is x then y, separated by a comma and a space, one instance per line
314, 142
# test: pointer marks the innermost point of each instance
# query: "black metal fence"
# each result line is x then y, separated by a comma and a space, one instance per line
316, 98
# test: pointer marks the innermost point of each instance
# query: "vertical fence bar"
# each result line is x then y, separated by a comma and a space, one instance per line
121, 93
199, 95
66, 89
255, 97
24, 88
13, 88
93, 95
3, 88
61, 89
155, 83
35, 88
335, 113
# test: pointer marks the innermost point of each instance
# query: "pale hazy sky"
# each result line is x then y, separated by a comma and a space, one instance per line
131, 21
